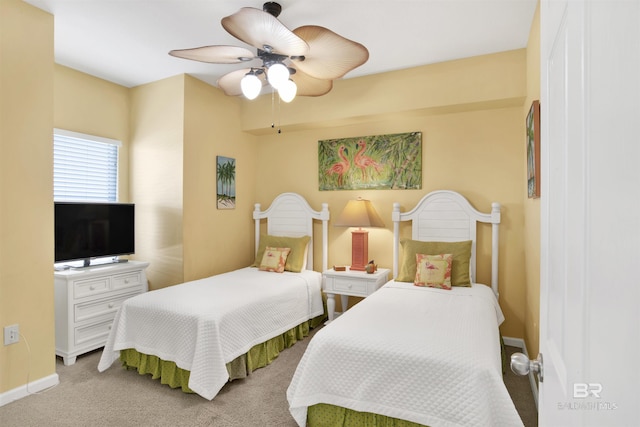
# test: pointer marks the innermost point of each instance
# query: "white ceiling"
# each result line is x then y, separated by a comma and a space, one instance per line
127, 41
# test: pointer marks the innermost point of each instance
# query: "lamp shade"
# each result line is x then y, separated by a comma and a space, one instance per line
359, 213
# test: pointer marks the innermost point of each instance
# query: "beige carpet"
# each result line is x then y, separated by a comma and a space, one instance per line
117, 397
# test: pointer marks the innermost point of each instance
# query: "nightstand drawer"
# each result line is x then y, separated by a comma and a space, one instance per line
99, 308
348, 283
126, 280
87, 288
350, 286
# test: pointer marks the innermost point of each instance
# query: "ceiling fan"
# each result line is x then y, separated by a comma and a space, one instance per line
304, 61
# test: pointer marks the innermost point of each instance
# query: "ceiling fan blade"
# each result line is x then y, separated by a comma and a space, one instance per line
330, 56
310, 86
215, 54
230, 82
263, 31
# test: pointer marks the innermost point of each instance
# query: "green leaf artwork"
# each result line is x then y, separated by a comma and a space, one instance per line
380, 162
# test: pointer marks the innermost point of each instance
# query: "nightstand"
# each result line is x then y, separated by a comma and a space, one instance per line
351, 283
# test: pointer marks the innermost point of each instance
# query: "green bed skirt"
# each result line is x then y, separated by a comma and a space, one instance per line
258, 356
324, 415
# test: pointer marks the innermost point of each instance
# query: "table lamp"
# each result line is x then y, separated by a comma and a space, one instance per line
359, 213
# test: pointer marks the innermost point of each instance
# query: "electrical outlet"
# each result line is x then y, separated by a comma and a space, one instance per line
11, 334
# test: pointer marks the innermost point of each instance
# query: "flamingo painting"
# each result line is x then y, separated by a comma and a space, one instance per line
340, 167
363, 162
377, 162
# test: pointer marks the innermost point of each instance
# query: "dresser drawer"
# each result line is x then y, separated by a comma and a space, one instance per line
128, 280
92, 334
85, 288
107, 306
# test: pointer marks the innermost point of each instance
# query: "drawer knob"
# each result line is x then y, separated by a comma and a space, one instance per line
349, 286
111, 305
126, 280
91, 288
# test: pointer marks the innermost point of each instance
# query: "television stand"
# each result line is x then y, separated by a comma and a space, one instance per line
86, 302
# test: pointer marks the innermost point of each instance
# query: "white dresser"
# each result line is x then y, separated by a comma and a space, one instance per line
87, 300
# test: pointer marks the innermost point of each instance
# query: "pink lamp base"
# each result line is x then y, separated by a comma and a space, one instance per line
359, 249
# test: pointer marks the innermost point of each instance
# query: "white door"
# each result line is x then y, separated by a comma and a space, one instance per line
590, 213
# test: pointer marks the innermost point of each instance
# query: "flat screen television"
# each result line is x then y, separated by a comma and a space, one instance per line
87, 230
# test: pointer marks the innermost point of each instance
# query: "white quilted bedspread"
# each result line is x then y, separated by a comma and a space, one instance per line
425, 355
203, 324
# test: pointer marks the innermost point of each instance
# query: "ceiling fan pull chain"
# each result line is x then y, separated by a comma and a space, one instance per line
273, 114
279, 114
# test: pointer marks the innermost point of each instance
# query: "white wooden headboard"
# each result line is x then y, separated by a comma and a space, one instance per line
447, 216
290, 215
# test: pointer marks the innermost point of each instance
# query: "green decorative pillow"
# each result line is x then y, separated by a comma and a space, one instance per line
461, 252
433, 271
297, 256
274, 259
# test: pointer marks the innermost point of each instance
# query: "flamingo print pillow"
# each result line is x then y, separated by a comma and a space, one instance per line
274, 259
433, 271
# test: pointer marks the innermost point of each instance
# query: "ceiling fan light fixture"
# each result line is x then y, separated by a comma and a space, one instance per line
311, 56
277, 75
287, 91
250, 85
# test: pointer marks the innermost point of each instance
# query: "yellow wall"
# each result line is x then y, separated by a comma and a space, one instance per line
178, 127
482, 82
470, 115
26, 192
87, 104
156, 183
532, 206
215, 240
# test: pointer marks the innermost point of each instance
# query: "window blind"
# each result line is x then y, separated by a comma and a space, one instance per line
85, 167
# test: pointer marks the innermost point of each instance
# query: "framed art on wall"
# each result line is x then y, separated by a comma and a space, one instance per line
225, 182
379, 162
533, 150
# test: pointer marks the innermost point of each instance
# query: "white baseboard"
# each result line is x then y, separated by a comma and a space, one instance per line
515, 342
519, 343
30, 388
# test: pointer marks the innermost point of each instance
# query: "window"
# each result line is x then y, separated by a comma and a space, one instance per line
85, 167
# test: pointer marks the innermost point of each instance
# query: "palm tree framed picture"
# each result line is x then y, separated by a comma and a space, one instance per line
226, 182
380, 162
533, 150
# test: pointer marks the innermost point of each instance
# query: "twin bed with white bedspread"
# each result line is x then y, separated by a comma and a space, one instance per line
203, 325
413, 354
